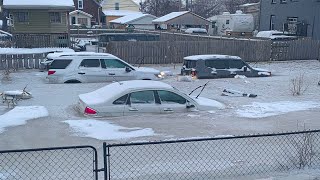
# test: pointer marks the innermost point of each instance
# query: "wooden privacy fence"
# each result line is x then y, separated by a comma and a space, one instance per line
302, 49
165, 52
41, 40
21, 61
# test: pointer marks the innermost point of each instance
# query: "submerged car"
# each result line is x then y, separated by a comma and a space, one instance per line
135, 97
219, 66
88, 67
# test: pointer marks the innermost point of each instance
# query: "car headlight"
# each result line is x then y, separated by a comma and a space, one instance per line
160, 75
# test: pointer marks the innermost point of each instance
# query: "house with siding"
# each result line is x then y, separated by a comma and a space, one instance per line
78, 17
182, 19
138, 21
39, 23
114, 9
299, 17
85, 8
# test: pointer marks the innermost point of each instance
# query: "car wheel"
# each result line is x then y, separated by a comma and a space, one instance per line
72, 81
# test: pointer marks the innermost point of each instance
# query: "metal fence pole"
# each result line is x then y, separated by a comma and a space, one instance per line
105, 161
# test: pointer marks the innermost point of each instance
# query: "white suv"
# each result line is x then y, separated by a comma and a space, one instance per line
96, 67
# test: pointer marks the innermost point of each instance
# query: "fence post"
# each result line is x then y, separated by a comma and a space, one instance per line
105, 163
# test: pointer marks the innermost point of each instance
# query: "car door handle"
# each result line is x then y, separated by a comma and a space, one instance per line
133, 109
168, 110
81, 73
112, 74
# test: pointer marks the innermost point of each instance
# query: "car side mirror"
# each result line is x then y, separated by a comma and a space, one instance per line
245, 69
128, 69
189, 105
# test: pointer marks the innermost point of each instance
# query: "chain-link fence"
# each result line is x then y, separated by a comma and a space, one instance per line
78, 162
214, 158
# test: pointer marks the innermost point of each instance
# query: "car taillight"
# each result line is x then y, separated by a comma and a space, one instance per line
51, 72
193, 73
90, 111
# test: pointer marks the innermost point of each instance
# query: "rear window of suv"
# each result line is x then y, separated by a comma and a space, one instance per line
60, 64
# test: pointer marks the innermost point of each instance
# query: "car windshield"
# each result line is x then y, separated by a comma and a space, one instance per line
190, 63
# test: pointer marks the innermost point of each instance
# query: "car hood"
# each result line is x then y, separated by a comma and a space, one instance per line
261, 70
208, 104
147, 70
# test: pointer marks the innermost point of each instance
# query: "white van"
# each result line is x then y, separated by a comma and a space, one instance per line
96, 67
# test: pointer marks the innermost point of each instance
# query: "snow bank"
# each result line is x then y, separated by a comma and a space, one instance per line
260, 110
104, 130
32, 50
19, 115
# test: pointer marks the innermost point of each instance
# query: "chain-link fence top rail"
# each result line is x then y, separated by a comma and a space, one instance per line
77, 162
216, 158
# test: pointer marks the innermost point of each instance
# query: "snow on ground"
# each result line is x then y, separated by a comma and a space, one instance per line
59, 100
32, 50
104, 130
259, 110
19, 115
303, 174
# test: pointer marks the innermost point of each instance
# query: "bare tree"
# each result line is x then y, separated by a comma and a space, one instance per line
208, 8
160, 7
233, 5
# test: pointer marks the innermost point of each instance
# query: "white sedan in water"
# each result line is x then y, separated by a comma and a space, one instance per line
135, 97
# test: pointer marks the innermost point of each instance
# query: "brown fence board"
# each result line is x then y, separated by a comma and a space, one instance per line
166, 52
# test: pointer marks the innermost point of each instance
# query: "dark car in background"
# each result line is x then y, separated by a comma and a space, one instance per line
219, 66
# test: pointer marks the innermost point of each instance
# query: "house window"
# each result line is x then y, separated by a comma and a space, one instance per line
228, 21
116, 6
292, 19
10, 20
82, 21
273, 1
55, 17
23, 17
283, 1
272, 19
80, 4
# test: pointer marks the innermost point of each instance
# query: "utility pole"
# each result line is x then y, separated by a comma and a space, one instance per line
187, 5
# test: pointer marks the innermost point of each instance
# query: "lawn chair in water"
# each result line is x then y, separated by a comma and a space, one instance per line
12, 97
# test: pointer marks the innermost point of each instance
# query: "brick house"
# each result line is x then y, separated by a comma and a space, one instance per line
91, 7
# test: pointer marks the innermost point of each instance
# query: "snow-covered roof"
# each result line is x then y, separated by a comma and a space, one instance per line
210, 56
120, 12
111, 91
80, 12
129, 18
249, 4
37, 4
169, 16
